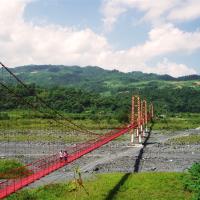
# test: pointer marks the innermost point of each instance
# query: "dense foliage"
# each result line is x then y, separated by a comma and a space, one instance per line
73, 100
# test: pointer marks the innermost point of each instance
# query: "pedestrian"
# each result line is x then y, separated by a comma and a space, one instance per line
61, 155
65, 155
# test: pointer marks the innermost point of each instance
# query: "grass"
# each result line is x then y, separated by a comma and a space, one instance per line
184, 140
23, 125
161, 84
40, 136
24, 119
10, 168
178, 121
151, 186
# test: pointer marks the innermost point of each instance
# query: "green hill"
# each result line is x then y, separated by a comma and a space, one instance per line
98, 79
92, 90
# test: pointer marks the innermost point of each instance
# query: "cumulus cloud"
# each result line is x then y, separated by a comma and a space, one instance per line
171, 68
26, 43
162, 40
168, 39
188, 10
155, 12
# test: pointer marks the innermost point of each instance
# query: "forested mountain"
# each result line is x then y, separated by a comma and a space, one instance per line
92, 78
92, 90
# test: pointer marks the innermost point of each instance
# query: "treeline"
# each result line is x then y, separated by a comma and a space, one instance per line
87, 103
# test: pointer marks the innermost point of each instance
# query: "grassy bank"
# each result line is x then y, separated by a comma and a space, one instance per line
22, 125
180, 121
151, 186
24, 119
10, 168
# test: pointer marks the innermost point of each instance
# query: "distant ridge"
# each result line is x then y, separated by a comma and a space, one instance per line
51, 75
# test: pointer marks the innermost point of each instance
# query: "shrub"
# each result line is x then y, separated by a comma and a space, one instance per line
192, 180
122, 117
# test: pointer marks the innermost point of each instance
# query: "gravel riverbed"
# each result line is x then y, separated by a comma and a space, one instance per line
117, 156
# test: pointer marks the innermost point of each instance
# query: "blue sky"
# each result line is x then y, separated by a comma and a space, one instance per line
128, 35
78, 13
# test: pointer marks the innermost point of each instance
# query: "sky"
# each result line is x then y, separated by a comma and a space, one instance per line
160, 37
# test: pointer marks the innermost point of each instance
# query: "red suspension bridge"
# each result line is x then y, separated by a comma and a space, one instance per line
141, 114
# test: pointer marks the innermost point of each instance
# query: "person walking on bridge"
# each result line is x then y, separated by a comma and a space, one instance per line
65, 155
61, 155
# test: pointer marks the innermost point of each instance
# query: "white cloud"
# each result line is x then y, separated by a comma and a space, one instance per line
168, 39
171, 68
25, 43
156, 12
162, 40
188, 10
153, 10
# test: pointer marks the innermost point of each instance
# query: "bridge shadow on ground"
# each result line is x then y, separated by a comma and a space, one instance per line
121, 182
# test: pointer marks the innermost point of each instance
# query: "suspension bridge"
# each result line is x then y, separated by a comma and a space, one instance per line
141, 114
